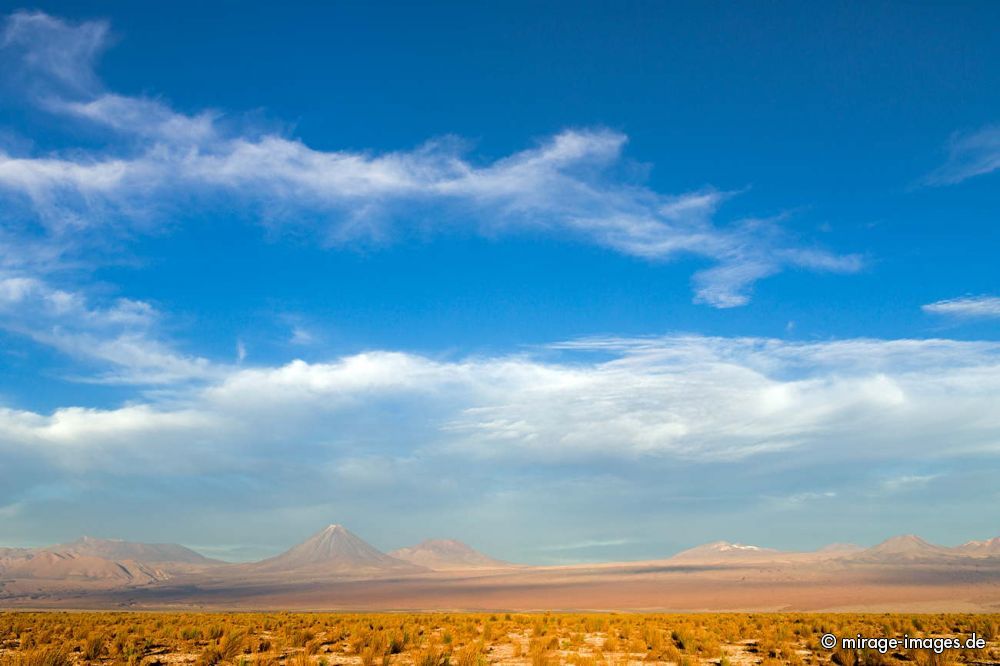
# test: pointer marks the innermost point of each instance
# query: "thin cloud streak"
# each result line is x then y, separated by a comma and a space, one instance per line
970, 154
966, 307
909, 482
584, 545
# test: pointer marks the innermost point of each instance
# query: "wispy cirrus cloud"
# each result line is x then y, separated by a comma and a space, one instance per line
970, 154
54, 55
966, 307
569, 184
120, 338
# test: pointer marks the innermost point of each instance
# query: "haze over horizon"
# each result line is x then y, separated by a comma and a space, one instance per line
600, 286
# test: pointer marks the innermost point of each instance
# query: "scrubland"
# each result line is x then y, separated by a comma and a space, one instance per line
464, 639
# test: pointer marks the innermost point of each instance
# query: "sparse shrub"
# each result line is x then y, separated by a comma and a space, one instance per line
95, 647
191, 633
471, 655
209, 657
232, 646
431, 657
49, 656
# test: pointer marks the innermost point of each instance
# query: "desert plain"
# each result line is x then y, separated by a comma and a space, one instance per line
470, 639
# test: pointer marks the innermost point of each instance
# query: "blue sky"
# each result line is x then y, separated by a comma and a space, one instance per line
567, 285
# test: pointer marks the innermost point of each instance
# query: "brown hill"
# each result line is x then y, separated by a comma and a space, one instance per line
335, 550
908, 547
57, 566
116, 549
444, 554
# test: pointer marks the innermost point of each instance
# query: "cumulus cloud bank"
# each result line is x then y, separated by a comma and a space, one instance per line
652, 427
682, 398
161, 159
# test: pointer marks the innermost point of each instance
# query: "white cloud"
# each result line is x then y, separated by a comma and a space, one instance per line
127, 439
142, 117
969, 154
689, 398
566, 185
39, 177
966, 307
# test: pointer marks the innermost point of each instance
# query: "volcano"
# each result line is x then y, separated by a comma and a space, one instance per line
336, 550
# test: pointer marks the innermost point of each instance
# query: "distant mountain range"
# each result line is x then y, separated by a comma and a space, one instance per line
90, 563
897, 550
334, 551
90, 566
